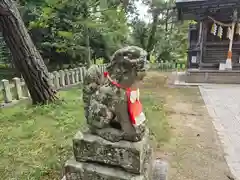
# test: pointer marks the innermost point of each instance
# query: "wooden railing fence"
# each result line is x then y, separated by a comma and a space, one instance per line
16, 89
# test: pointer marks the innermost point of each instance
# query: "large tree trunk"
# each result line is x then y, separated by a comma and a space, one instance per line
86, 33
151, 40
166, 20
87, 41
26, 58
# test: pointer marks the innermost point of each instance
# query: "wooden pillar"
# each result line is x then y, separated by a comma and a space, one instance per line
189, 45
194, 53
202, 40
229, 57
200, 32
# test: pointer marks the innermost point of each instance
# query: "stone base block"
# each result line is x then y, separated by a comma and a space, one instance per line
87, 171
128, 155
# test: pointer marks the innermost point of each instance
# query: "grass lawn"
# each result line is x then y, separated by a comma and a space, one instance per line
36, 141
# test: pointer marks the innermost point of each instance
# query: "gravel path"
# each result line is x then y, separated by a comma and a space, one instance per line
194, 151
223, 104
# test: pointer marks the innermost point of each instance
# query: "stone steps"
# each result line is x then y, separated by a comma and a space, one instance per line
213, 76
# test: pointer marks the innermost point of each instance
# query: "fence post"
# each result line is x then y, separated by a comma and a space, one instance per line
102, 68
81, 74
161, 66
76, 74
62, 78
51, 79
67, 77
72, 76
18, 88
56, 80
84, 71
7, 95
174, 66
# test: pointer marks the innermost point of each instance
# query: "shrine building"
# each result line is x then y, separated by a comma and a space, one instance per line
214, 40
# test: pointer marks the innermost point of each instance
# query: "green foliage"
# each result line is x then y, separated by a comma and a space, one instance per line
164, 37
173, 45
152, 59
75, 32
99, 61
71, 27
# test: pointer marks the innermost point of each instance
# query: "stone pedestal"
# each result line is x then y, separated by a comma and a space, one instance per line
98, 159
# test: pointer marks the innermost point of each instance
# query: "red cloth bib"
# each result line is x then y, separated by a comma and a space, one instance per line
135, 108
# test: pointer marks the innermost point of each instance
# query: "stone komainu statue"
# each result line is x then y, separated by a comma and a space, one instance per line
106, 103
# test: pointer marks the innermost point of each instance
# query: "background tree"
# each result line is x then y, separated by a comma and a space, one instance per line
79, 31
70, 33
26, 58
163, 37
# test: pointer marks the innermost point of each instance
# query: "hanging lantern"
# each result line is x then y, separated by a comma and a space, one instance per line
238, 29
229, 33
220, 32
214, 29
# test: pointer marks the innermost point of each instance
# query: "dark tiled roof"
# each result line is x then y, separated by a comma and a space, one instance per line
197, 9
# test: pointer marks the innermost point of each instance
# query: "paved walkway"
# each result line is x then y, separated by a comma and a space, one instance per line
223, 104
